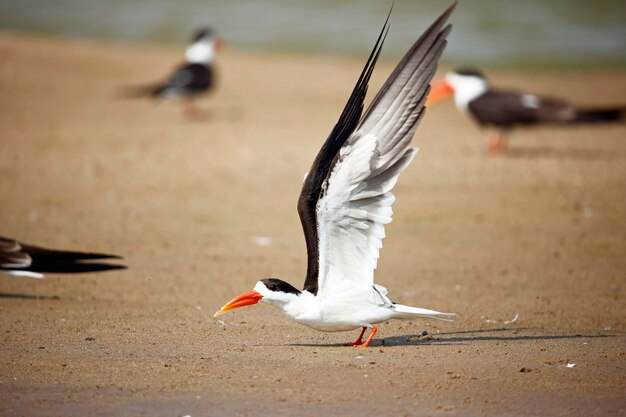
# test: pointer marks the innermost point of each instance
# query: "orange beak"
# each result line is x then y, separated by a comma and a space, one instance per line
245, 299
438, 92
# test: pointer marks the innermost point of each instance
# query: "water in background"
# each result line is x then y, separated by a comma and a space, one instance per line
486, 32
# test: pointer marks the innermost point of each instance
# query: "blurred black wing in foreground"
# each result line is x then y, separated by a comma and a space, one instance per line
32, 261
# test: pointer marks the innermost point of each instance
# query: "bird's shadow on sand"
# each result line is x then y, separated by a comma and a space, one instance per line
216, 114
510, 334
16, 296
563, 153
63, 266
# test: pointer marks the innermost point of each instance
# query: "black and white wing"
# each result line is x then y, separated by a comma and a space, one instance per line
346, 198
14, 260
190, 78
511, 108
19, 259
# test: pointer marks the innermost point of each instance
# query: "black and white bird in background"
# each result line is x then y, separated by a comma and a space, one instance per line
23, 260
502, 110
346, 200
195, 77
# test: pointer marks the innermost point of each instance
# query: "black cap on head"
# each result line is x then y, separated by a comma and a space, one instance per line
278, 285
470, 71
201, 33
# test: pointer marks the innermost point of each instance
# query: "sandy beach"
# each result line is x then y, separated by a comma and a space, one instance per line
539, 236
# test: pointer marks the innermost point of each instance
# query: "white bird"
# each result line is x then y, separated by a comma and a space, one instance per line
346, 200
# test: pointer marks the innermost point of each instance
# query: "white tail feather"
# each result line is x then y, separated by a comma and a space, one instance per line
28, 274
407, 312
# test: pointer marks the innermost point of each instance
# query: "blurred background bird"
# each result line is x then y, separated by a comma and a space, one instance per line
502, 110
23, 260
193, 78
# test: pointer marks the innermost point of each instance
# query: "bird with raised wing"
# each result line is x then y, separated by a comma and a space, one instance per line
346, 200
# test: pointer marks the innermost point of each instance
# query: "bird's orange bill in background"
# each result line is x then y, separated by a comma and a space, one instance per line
438, 92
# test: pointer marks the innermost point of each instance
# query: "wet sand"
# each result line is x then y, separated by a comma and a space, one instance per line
540, 234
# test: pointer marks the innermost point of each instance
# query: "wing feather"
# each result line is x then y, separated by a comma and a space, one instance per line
356, 202
27, 260
12, 255
315, 181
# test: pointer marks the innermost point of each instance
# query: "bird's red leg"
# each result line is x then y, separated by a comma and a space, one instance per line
498, 143
190, 110
359, 341
369, 339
